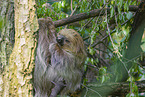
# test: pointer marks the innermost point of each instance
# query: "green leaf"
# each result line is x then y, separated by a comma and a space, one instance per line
126, 7
112, 2
129, 15
123, 39
121, 3
1, 22
103, 79
111, 11
128, 95
91, 51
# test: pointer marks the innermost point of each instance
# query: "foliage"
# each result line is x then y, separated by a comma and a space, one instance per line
1, 23
103, 51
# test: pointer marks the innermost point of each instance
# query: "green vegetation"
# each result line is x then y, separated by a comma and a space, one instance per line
107, 38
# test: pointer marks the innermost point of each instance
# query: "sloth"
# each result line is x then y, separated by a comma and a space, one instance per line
59, 60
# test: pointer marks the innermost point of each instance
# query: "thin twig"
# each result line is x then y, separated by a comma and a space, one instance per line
71, 6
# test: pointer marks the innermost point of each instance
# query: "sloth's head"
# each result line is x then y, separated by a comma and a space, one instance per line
70, 40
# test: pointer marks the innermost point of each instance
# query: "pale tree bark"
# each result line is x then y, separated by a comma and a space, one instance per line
21, 61
6, 42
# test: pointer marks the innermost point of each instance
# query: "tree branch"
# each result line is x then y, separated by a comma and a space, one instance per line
115, 89
83, 16
123, 88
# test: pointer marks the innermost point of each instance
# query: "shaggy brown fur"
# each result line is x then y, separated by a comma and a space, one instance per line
59, 60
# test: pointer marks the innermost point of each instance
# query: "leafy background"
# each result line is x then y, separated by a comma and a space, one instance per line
106, 37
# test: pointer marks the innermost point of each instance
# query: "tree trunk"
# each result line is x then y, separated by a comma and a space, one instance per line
6, 42
21, 60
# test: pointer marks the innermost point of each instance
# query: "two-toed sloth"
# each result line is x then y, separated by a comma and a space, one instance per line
59, 60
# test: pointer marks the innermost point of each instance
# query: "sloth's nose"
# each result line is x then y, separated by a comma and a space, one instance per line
60, 40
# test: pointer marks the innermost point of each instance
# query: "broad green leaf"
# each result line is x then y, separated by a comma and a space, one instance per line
123, 39
129, 15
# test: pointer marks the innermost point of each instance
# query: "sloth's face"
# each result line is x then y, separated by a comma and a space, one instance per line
70, 40
62, 40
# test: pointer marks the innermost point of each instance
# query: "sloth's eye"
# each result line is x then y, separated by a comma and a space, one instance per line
67, 41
